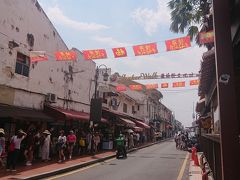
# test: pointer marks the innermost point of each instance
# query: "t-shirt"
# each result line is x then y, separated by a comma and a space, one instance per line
71, 138
62, 139
17, 141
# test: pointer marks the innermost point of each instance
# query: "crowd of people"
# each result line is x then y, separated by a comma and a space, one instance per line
33, 145
184, 142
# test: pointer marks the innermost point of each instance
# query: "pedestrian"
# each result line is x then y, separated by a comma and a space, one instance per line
2, 146
131, 143
89, 142
45, 145
15, 145
28, 153
97, 141
61, 145
71, 141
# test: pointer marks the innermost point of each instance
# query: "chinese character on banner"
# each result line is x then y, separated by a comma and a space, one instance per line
151, 86
121, 88
206, 37
164, 85
95, 54
145, 49
179, 84
119, 52
36, 56
179, 43
66, 56
136, 87
194, 82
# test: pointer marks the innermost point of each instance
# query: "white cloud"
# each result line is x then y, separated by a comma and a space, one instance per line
57, 16
151, 19
110, 41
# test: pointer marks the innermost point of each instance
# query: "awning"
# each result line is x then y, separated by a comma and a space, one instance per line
62, 114
137, 129
127, 122
142, 124
22, 113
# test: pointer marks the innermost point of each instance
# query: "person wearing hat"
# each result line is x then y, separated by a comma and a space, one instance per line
14, 153
71, 140
46, 145
2, 145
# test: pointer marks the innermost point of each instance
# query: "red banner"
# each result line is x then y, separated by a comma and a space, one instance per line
206, 37
66, 56
136, 87
36, 56
119, 52
151, 86
121, 88
164, 85
194, 82
179, 43
145, 49
179, 84
94, 54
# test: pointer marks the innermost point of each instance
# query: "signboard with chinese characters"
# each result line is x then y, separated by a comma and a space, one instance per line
194, 82
36, 56
178, 84
206, 37
119, 52
151, 86
121, 88
136, 87
66, 56
179, 43
145, 49
94, 54
164, 85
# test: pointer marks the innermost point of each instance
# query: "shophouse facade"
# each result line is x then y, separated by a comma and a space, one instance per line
25, 88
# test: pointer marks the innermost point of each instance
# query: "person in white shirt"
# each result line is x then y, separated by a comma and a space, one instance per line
46, 145
15, 149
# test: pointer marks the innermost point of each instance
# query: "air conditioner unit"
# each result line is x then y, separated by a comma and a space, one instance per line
51, 97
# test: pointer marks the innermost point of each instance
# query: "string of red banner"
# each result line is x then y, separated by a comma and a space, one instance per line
139, 87
119, 52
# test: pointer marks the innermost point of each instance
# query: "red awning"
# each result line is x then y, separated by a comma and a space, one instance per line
137, 129
69, 114
127, 122
142, 124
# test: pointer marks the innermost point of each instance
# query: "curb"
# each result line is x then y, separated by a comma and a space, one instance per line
84, 164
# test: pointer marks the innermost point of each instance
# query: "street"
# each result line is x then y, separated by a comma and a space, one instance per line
160, 161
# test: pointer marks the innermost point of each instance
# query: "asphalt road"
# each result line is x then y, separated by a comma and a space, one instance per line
158, 162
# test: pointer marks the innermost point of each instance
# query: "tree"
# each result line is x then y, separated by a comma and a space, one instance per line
188, 15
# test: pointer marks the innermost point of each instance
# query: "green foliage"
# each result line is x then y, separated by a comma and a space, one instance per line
188, 15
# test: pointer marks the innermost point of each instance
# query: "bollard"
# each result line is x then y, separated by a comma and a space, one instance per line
194, 150
204, 176
196, 163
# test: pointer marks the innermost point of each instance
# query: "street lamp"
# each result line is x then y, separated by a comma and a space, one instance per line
96, 103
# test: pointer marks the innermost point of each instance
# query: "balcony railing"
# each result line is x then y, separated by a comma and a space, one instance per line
210, 145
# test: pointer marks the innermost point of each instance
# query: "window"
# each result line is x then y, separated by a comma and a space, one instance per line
124, 107
138, 108
133, 110
22, 64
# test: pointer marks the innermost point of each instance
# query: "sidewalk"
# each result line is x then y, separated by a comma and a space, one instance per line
195, 172
42, 170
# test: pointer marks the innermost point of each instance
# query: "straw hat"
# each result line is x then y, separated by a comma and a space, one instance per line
2, 131
21, 132
46, 132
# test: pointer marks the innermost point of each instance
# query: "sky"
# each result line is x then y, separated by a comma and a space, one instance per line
105, 24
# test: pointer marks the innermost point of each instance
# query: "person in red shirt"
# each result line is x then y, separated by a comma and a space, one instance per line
71, 140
